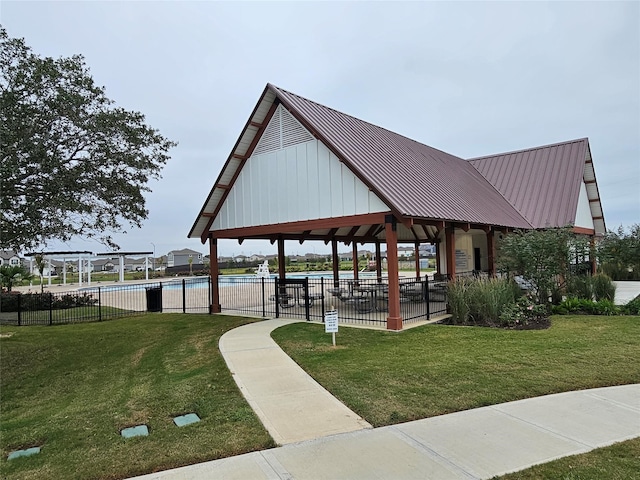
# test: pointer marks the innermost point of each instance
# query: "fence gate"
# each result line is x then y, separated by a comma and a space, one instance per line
291, 293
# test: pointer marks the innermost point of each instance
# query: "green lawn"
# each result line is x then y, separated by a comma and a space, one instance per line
72, 388
431, 370
617, 462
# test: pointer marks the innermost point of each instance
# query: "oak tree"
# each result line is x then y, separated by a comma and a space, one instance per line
73, 163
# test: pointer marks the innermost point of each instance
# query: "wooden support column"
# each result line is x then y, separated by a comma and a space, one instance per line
394, 320
491, 248
378, 261
450, 238
354, 254
416, 254
282, 272
336, 262
215, 306
438, 268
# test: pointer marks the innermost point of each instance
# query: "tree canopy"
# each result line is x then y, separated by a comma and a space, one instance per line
546, 259
73, 163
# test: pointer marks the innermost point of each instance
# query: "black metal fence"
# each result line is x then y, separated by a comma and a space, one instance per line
93, 304
363, 301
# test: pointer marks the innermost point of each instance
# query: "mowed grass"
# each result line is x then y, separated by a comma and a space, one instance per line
72, 388
620, 461
389, 378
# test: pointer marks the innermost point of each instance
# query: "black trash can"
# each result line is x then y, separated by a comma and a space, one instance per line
154, 299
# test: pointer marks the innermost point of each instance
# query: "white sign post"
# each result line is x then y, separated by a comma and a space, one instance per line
331, 324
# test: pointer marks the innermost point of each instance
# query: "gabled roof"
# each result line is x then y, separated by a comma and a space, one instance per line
544, 183
184, 251
413, 179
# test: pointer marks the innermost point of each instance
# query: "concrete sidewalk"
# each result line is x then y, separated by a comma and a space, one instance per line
291, 405
474, 444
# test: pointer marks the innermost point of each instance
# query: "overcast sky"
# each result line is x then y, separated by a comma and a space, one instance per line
471, 79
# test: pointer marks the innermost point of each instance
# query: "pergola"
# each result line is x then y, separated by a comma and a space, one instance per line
302, 171
74, 254
122, 255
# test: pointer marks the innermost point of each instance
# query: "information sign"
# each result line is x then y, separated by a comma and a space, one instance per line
331, 321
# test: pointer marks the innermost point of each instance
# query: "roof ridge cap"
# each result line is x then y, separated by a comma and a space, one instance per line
577, 140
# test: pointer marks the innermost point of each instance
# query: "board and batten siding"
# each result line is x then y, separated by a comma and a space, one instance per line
584, 216
300, 182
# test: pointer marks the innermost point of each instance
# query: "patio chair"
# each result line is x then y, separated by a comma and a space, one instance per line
361, 303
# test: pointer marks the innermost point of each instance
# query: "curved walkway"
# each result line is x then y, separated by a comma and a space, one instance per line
291, 405
473, 444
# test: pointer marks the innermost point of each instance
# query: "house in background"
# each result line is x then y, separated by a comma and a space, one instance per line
8, 257
181, 257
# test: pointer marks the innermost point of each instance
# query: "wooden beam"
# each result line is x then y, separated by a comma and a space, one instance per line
330, 235
215, 306
304, 236
451, 251
394, 319
239, 157
256, 124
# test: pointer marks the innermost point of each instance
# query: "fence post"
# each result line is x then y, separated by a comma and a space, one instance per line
99, 305
322, 296
50, 308
277, 298
264, 306
210, 294
428, 295
184, 296
19, 309
306, 298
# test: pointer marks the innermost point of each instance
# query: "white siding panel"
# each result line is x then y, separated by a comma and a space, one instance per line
348, 191
301, 182
583, 213
324, 181
291, 186
362, 198
313, 192
376, 205
280, 212
335, 174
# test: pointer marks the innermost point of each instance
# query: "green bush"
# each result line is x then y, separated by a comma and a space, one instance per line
480, 301
580, 287
582, 306
523, 312
633, 307
603, 288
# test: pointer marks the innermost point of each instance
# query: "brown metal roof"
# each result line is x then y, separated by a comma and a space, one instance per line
415, 180
542, 183
531, 188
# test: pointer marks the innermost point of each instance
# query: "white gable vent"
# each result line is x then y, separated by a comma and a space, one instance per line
282, 131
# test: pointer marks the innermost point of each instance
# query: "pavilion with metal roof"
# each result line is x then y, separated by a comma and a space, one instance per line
303, 171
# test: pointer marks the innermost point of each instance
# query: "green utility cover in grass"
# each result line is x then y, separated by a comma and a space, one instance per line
137, 431
23, 453
187, 419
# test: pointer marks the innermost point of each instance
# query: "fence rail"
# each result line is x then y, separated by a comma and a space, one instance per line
362, 301
93, 304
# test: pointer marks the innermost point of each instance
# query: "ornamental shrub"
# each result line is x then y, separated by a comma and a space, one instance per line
523, 312
603, 288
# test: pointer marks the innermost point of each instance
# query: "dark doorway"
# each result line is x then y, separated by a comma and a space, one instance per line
477, 264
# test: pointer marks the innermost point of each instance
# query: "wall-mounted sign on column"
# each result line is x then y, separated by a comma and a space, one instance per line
331, 324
